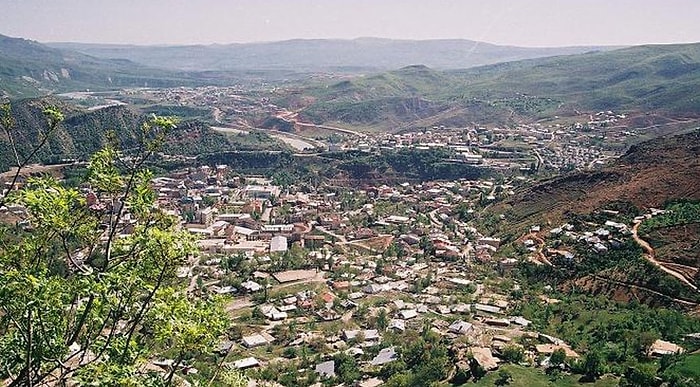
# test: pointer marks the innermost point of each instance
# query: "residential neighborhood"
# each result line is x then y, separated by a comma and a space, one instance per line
330, 272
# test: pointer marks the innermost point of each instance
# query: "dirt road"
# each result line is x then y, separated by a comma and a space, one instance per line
649, 256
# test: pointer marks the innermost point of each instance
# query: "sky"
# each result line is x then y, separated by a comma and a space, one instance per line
531, 23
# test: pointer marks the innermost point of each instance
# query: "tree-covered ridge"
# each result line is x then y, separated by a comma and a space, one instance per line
82, 133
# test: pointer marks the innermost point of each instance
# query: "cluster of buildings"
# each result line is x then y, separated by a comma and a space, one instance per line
340, 269
375, 261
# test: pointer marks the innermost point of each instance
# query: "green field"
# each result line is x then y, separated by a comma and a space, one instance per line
532, 377
688, 367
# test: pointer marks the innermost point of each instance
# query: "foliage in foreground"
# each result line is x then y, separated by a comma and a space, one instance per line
88, 293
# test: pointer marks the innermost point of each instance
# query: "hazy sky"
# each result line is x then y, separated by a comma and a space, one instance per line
514, 22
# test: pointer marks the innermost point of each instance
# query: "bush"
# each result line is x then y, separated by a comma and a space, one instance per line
513, 354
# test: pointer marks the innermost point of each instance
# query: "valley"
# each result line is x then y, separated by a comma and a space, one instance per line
392, 224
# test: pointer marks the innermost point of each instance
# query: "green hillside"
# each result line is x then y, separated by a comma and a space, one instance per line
659, 77
394, 99
650, 174
647, 77
84, 132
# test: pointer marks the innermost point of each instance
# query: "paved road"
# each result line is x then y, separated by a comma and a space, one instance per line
292, 118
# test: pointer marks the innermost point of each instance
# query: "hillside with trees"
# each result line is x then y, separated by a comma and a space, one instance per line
662, 78
83, 132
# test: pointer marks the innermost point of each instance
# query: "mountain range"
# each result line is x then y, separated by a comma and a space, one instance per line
438, 78
661, 79
319, 55
29, 69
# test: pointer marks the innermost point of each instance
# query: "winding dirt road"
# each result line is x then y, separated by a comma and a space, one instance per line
649, 256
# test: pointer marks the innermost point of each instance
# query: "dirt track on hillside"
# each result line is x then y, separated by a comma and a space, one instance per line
649, 256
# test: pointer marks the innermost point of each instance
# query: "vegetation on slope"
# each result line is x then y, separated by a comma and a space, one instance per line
648, 175
642, 77
618, 334
664, 78
84, 132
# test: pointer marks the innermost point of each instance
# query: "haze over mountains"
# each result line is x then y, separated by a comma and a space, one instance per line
28, 69
297, 212
656, 76
314, 55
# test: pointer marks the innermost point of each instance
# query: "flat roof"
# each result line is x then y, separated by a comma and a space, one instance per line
294, 275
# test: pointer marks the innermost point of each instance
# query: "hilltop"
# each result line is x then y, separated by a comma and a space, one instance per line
650, 174
598, 209
649, 77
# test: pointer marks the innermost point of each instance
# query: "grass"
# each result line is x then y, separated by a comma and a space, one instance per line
689, 367
677, 244
533, 377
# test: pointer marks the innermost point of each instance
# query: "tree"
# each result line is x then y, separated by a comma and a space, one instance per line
427, 358
513, 354
346, 368
83, 298
382, 319
592, 365
392, 368
427, 245
184, 327
641, 375
21, 159
557, 358
234, 378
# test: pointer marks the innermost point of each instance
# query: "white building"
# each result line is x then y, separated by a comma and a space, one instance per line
278, 244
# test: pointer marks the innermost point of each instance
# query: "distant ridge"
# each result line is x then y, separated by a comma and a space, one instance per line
29, 69
651, 78
312, 55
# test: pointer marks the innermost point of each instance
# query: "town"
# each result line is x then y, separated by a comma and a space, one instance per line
318, 276
349, 194
323, 282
